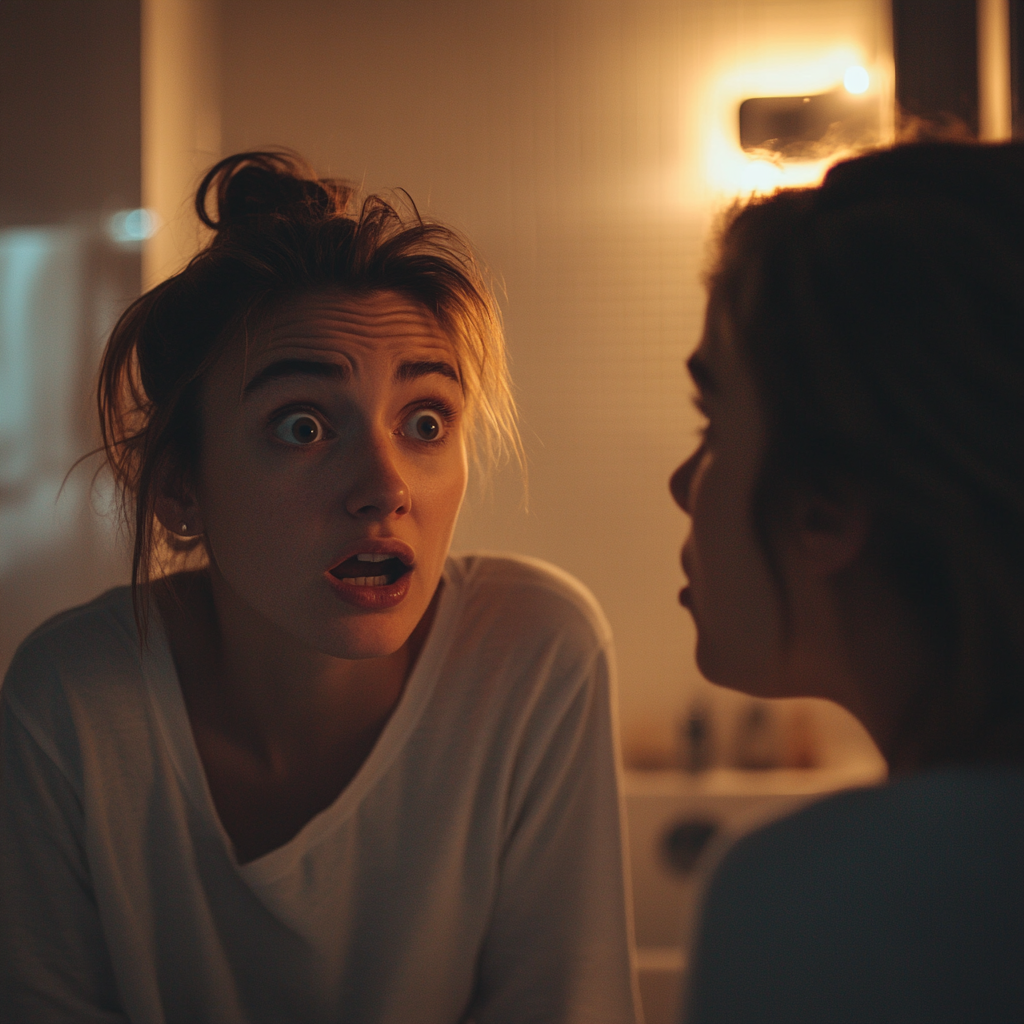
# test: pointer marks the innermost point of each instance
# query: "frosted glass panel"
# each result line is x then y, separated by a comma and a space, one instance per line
59, 295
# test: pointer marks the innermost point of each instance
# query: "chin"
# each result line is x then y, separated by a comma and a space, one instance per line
355, 641
355, 649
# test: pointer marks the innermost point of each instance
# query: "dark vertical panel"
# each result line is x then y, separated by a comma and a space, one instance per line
935, 46
69, 108
70, 155
1017, 66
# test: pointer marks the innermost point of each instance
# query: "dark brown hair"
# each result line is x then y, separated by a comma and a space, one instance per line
882, 316
278, 230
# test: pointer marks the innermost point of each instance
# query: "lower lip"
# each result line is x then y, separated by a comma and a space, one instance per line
372, 599
685, 599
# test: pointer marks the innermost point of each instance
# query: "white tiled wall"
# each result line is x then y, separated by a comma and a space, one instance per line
584, 145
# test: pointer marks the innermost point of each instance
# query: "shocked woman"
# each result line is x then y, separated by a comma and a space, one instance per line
325, 772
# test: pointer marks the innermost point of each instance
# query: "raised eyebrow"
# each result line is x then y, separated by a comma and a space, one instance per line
295, 368
424, 368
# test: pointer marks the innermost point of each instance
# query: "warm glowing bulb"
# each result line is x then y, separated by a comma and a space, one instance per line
761, 176
856, 80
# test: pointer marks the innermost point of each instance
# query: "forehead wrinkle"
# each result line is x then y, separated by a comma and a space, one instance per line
408, 346
300, 320
343, 330
369, 327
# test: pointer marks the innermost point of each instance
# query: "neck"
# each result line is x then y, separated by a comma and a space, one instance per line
859, 645
259, 687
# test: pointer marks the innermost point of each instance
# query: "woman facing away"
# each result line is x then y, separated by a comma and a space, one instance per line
857, 534
330, 773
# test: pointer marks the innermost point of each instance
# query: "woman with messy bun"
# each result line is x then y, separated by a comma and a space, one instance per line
310, 767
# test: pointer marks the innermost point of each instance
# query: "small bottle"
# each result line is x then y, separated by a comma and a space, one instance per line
801, 748
695, 739
757, 738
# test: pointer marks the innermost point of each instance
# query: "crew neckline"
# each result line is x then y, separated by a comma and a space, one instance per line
168, 707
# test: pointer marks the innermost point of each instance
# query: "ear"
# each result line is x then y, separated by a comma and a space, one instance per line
830, 534
175, 506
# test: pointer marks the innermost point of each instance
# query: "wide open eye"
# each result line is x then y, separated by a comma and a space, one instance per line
424, 425
299, 428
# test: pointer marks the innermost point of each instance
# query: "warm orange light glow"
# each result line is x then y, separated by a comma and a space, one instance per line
856, 80
792, 70
761, 176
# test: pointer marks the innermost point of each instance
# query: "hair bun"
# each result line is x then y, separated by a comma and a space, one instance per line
253, 188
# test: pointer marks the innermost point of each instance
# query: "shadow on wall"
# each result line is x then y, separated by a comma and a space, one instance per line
61, 289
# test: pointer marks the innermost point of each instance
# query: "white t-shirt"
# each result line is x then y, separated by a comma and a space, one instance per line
472, 870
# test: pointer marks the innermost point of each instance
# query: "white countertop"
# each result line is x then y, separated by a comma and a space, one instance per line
739, 782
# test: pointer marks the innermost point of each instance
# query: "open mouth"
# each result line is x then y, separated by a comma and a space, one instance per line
370, 570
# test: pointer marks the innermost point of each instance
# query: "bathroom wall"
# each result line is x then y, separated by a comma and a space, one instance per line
586, 146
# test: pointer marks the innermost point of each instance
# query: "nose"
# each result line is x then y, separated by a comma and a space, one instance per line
379, 489
682, 478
